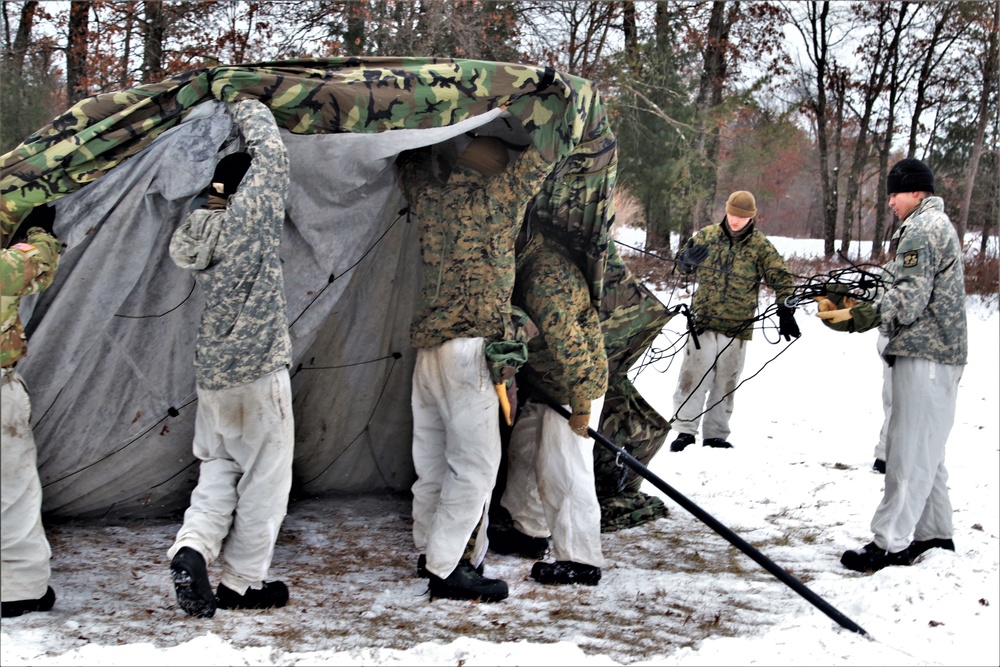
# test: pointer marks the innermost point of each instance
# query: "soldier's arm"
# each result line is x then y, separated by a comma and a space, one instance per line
776, 274
522, 179
29, 266
265, 186
555, 301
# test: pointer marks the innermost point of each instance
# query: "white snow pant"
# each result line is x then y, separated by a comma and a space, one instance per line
245, 439
550, 483
714, 370
886, 397
915, 502
24, 550
456, 451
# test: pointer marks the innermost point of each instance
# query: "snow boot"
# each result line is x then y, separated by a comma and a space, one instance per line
718, 443
682, 441
464, 583
879, 466
918, 547
194, 591
423, 573
273, 594
870, 558
509, 540
566, 572
19, 607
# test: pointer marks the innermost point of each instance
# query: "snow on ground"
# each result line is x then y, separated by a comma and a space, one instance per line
798, 486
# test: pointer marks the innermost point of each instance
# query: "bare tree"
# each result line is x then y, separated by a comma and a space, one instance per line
76, 51
989, 68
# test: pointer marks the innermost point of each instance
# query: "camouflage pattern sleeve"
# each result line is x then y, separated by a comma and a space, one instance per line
521, 180
775, 272
569, 354
264, 188
26, 268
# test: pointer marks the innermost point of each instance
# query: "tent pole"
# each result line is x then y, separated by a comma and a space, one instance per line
719, 528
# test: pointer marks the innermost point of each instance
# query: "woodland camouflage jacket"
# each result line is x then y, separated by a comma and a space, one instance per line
567, 361
730, 277
923, 312
467, 233
26, 268
234, 254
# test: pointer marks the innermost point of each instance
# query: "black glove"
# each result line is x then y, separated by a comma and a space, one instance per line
691, 257
786, 322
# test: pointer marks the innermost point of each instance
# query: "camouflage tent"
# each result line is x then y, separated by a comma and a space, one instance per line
112, 341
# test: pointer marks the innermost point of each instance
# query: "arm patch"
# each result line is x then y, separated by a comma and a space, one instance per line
910, 259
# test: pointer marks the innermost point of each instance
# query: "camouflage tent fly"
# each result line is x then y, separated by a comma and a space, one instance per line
112, 341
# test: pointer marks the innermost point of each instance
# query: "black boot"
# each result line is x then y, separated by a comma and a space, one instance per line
870, 558
918, 547
566, 572
273, 594
879, 466
194, 591
423, 573
509, 540
19, 607
682, 441
718, 443
464, 583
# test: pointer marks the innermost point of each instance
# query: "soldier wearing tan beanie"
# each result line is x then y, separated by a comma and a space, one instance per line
732, 260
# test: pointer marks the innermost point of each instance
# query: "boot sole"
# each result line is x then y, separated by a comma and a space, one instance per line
188, 598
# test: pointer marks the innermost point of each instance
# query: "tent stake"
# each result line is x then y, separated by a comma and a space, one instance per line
719, 528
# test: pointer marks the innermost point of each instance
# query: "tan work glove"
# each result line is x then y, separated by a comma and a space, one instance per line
580, 419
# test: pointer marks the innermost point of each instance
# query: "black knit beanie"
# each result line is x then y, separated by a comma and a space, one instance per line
910, 175
230, 172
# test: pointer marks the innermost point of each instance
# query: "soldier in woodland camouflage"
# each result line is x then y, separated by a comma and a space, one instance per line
26, 267
922, 313
467, 232
244, 432
550, 475
733, 259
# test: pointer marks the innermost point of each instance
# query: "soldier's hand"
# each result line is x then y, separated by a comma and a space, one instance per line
835, 316
691, 257
578, 423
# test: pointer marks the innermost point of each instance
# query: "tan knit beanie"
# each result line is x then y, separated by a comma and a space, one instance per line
741, 204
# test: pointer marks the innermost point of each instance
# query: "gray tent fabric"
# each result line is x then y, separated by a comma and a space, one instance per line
111, 343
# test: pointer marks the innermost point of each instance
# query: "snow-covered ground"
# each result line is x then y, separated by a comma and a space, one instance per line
798, 485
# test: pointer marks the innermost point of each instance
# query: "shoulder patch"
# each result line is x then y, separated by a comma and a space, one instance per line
26, 248
910, 259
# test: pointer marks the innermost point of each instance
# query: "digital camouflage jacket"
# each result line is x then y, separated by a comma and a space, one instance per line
27, 267
730, 277
567, 361
233, 252
467, 233
923, 312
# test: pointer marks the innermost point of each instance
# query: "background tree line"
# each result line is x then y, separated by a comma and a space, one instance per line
804, 103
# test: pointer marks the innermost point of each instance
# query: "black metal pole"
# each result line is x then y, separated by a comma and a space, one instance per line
722, 530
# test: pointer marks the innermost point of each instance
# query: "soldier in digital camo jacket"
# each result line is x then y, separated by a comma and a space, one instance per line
550, 460
733, 259
468, 226
244, 431
922, 313
27, 267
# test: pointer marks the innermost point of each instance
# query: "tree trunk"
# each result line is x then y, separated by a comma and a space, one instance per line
15, 55
152, 51
76, 51
990, 70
